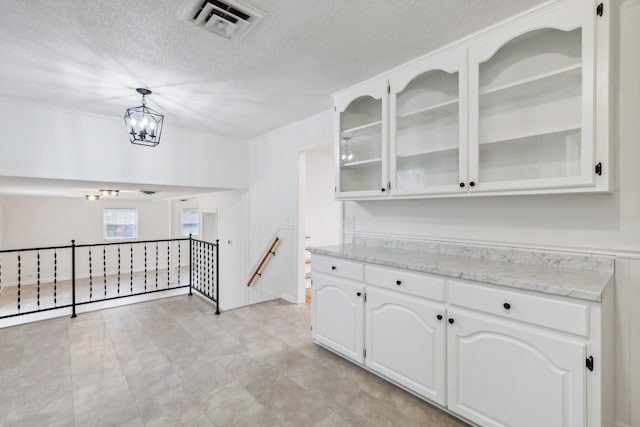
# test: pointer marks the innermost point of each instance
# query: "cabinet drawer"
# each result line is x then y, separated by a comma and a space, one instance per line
552, 313
337, 267
403, 281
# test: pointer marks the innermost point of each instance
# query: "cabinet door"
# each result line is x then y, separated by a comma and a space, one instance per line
428, 126
405, 341
338, 315
361, 147
531, 101
503, 374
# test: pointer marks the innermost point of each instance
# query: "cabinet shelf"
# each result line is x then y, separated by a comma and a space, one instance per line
561, 79
426, 152
359, 129
427, 114
446, 106
564, 129
363, 163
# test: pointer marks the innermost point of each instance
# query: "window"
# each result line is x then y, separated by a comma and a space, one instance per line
120, 224
190, 222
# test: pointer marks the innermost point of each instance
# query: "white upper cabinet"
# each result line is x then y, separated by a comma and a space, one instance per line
531, 102
521, 108
428, 131
362, 141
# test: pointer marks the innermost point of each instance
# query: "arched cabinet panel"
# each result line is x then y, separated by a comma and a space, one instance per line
524, 371
428, 147
405, 341
532, 103
361, 141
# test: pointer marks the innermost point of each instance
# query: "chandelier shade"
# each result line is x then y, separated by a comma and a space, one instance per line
144, 125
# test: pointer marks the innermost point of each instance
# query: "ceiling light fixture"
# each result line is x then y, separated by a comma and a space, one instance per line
106, 192
143, 124
92, 197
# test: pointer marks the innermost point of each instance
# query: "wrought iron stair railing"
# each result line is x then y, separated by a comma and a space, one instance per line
35, 280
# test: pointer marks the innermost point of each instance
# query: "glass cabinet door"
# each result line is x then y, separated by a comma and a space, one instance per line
428, 127
361, 145
532, 105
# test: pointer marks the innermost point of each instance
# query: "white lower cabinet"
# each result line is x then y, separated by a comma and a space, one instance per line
338, 315
503, 374
491, 355
405, 341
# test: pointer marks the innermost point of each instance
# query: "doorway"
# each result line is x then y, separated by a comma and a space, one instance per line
319, 214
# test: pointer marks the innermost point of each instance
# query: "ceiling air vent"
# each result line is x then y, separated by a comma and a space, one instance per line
230, 19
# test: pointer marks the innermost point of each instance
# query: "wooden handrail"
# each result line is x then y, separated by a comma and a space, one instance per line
269, 251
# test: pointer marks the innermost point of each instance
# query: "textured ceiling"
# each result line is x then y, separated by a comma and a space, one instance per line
90, 55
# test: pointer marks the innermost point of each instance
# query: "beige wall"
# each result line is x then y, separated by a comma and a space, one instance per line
29, 221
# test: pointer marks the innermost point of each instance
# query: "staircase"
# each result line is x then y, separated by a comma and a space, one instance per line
307, 272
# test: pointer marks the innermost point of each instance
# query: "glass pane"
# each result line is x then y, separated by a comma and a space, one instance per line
190, 229
427, 125
546, 156
190, 221
120, 223
531, 108
361, 145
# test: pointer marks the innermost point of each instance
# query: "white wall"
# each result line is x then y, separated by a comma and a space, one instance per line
1, 234
273, 198
29, 221
232, 207
48, 142
322, 211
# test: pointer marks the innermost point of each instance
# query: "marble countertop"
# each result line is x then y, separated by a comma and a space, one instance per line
549, 279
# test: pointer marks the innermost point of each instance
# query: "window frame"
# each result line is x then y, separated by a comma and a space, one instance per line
104, 224
182, 223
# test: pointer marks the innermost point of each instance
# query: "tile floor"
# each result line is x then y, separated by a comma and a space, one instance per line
172, 362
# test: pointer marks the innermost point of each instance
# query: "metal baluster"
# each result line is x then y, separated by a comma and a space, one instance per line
190, 265
38, 273
118, 269
203, 268
196, 281
145, 267
179, 266
55, 278
200, 284
73, 279
131, 277
156, 265
168, 264
90, 277
210, 285
104, 269
19, 280
217, 282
